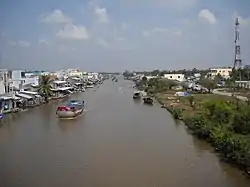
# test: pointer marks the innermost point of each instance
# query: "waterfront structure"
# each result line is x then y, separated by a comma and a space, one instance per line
178, 76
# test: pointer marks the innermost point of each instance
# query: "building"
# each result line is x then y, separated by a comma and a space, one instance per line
179, 77
19, 79
222, 71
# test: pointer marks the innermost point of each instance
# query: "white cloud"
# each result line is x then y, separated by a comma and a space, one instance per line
73, 32
56, 16
102, 43
21, 43
43, 42
161, 31
208, 16
101, 14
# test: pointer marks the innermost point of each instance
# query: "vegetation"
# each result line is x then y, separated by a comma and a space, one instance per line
223, 121
45, 87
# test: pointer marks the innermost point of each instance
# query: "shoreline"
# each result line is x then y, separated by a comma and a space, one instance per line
179, 112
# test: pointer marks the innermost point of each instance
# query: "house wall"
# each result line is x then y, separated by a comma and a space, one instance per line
224, 72
19, 79
2, 87
178, 77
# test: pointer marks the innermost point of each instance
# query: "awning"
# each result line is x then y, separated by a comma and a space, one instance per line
29, 92
64, 88
60, 82
24, 96
78, 83
6, 97
16, 98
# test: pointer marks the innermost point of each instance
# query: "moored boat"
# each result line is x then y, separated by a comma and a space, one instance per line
148, 100
71, 109
137, 95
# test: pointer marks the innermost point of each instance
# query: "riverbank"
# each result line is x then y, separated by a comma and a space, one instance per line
222, 121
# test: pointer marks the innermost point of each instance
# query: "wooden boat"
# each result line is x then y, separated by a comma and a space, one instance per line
71, 109
148, 100
137, 95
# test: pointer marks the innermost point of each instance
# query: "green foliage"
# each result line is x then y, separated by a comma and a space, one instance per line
45, 86
176, 112
156, 85
220, 111
191, 101
208, 83
241, 121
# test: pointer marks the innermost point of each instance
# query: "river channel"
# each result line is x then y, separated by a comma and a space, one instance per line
116, 143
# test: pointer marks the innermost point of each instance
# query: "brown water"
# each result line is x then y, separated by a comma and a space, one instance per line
116, 143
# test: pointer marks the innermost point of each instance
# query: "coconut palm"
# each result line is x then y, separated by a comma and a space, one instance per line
45, 87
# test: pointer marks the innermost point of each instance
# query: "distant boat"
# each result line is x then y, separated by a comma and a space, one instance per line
72, 109
148, 100
137, 95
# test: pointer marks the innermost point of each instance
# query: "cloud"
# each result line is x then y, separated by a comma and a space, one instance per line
208, 16
163, 4
43, 42
21, 43
101, 14
103, 43
161, 31
73, 32
56, 16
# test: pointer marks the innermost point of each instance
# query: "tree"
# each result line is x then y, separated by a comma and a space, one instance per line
208, 83
171, 84
45, 86
155, 72
191, 101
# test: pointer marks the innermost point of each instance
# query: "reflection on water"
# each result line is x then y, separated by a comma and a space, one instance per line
117, 142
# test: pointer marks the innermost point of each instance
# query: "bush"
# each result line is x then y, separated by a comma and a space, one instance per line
241, 121
233, 148
176, 113
219, 111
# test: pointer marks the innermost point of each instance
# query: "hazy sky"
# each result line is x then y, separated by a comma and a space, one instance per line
111, 35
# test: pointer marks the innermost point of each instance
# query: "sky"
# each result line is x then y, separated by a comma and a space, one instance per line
118, 35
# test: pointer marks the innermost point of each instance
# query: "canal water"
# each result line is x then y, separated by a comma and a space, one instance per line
116, 143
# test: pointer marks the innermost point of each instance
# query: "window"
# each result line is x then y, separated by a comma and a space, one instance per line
170, 77
179, 77
22, 74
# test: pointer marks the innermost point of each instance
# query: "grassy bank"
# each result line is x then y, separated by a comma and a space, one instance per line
222, 121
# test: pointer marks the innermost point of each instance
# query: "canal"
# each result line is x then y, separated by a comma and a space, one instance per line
116, 143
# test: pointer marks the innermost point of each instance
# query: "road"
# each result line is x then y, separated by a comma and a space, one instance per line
220, 92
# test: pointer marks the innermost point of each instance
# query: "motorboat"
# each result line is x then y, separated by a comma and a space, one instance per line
137, 95
148, 100
70, 110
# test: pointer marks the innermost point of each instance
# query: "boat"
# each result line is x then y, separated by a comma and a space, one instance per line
70, 110
137, 95
148, 100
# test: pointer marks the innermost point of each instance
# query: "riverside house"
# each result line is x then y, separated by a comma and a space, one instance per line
61, 89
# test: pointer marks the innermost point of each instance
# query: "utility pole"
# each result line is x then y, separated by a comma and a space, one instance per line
237, 59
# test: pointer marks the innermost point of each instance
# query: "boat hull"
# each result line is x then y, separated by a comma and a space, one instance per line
69, 114
148, 101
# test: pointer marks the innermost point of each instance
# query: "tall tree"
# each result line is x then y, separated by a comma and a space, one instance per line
45, 86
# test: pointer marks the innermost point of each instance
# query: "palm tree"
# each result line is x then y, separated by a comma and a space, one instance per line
45, 86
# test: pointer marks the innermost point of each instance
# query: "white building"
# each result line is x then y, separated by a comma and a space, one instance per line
179, 77
223, 71
19, 79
